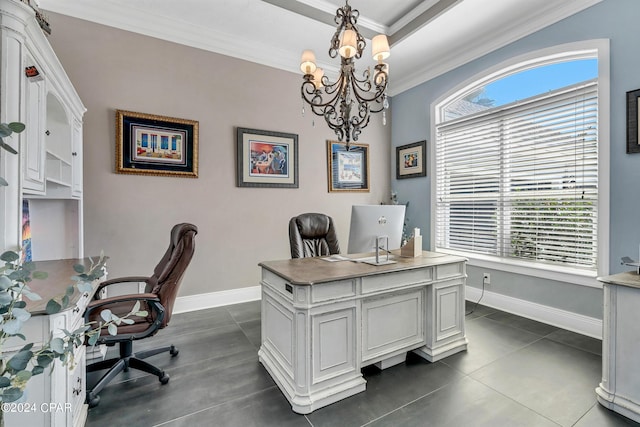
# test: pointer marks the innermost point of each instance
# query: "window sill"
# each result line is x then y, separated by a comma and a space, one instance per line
560, 274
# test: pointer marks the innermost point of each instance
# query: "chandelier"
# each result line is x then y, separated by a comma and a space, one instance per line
347, 103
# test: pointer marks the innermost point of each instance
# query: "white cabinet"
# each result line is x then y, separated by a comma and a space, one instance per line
47, 173
56, 397
32, 148
619, 389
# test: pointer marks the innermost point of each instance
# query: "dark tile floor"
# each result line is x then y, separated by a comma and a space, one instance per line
516, 372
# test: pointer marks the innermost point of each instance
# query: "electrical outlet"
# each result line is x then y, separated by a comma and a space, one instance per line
486, 279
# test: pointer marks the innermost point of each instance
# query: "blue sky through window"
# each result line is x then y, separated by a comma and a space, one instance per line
540, 80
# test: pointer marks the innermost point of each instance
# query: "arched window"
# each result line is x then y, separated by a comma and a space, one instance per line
516, 172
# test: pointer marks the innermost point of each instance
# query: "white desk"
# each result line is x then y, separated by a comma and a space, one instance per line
323, 321
620, 386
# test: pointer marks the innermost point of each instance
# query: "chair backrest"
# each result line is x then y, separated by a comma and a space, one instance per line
312, 234
167, 276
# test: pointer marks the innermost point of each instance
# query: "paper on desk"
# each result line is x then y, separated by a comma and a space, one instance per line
335, 258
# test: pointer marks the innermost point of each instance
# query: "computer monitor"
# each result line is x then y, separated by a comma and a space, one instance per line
371, 221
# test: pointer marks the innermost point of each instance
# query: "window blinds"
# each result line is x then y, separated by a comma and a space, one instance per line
521, 180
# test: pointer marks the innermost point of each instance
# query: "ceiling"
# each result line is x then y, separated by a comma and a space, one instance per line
427, 37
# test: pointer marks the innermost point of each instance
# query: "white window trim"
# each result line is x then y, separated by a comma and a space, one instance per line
571, 51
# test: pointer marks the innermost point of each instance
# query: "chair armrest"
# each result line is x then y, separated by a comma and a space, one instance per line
152, 301
117, 280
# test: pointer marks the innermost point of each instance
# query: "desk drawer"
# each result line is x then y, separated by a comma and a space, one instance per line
277, 283
392, 323
381, 282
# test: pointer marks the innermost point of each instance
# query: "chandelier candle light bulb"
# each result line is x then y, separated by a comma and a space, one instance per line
336, 101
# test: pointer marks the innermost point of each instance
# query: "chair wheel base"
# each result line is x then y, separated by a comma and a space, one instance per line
174, 351
93, 401
164, 378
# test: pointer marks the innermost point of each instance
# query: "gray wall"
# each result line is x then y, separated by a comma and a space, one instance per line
616, 20
129, 217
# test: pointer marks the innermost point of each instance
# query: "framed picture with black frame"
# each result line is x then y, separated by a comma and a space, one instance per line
347, 168
633, 140
148, 144
266, 159
411, 160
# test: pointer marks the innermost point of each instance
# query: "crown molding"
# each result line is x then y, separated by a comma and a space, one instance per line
174, 30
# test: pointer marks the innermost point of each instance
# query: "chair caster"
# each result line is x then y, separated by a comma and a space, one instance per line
92, 401
164, 378
173, 351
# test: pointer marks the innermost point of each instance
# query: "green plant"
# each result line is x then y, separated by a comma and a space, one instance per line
17, 368
6, 129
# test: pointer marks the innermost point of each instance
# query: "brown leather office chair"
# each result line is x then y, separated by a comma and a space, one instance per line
312, 234
158, 298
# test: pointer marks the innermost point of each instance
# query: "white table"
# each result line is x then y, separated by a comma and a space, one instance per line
323, 321
620, 386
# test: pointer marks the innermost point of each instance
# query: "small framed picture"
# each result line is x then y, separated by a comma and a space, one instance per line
633, 112
266, 159
147, 144
411, 160
347, 168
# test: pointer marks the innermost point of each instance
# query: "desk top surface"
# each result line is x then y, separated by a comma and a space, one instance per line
630, 278
59, 273
309, 271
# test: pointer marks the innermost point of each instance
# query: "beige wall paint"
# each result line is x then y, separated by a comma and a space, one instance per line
129, 217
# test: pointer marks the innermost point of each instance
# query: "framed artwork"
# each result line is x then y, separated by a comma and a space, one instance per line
266, 159
411, 160
347, 170
633, 141
147, 144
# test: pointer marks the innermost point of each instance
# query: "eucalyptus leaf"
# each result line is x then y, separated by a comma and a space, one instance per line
53, 307
8, 147
20, 360
23, 376
5, 282
106, 315
127, 321
16, 127
44, 360
21, 314
3, 182
141, 313
93, 339
9, 256
57, 345
11, 394
40, 275
29, 266
113, 329
85, 287
37, 370
136, 307
5, 130
12, 326
4, 382
79, 268
30, 294
5, 298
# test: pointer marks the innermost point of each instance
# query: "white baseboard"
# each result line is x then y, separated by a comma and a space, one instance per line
216, 299
579, 323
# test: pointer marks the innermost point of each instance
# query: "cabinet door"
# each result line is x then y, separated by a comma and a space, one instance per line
76, 159
33, 153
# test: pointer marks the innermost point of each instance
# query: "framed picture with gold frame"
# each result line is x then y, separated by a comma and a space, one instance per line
148, 144
347, 168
